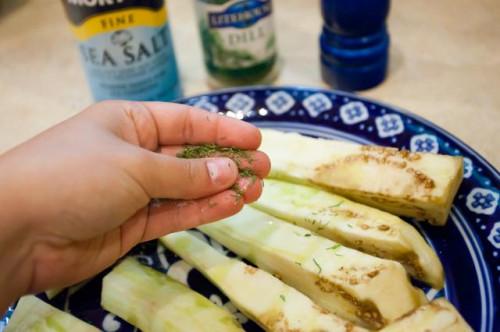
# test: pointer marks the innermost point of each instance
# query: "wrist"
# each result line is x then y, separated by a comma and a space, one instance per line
15, 252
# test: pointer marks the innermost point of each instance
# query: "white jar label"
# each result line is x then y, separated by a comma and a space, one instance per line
238, 33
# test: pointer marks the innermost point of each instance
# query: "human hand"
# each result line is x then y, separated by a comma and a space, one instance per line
75, 198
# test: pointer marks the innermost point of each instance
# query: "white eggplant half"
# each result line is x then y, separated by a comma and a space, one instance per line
420, 185
153, 302
354, 225
363, 289
32, 314
268, 301
439, 315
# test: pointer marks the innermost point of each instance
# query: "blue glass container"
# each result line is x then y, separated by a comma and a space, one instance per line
354, 43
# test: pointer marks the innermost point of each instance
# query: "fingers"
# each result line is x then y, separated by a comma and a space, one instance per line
152, 124
182, 124
171, 216
256, 161
174, 216
250, 188
174, 178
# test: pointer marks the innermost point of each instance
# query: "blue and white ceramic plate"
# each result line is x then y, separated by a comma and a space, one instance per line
469, 244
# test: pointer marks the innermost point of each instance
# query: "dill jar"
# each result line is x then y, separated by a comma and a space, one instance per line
239, 42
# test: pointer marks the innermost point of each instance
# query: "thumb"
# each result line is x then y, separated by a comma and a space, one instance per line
164, 176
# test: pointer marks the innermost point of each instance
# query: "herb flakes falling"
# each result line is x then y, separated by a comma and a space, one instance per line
238, 192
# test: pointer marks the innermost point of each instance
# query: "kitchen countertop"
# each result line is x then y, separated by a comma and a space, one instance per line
445, 63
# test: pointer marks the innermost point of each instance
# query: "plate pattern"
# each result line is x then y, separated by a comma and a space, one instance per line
469, 245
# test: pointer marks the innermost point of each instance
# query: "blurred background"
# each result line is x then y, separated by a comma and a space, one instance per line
444, 63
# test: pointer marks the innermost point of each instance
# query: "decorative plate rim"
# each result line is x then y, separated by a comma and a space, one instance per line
462, 215
473, 235
355, 96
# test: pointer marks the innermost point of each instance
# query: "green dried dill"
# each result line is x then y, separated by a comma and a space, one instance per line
213, 150
335, 247
243, 173
319, 266
246, 173
336, 205
238, 192
322, 226
282, 297
310, 220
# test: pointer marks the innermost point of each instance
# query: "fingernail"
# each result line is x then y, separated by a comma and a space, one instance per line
216, 168
244, 183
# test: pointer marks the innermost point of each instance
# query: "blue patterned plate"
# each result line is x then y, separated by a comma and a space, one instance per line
469, 244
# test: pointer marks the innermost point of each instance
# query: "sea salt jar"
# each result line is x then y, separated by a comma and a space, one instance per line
354, 43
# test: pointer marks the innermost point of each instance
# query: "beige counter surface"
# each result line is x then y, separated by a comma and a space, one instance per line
445, 63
